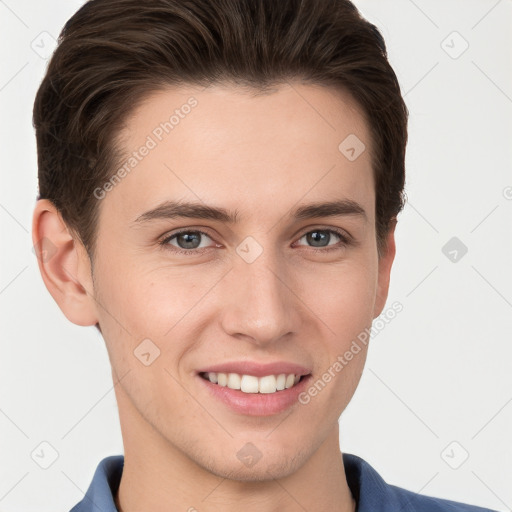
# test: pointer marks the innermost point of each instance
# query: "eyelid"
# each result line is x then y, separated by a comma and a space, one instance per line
343, 233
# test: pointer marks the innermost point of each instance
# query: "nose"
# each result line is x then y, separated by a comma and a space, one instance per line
262, 304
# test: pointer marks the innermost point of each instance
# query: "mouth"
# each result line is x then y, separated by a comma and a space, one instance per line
255, 388
250, 395
251, 384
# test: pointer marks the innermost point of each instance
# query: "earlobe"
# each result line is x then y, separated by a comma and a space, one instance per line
64, 265
385, 263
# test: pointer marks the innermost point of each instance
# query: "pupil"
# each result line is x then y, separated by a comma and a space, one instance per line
312, 238
189, 242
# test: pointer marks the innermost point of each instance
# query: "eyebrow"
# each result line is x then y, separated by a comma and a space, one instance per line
193, 210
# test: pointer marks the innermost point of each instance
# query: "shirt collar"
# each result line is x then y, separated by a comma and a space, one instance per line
105, 482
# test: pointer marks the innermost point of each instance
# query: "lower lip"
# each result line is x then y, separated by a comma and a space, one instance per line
257, 404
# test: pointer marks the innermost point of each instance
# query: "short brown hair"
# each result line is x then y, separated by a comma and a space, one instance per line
113, 53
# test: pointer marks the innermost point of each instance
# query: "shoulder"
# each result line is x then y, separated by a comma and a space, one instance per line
103, 487
418, 502
374, 494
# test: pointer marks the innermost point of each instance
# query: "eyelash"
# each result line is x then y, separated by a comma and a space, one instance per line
345, 241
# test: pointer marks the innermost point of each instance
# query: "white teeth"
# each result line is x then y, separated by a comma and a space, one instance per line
249, 384
221, 377
252, 384
234, 381
267, 384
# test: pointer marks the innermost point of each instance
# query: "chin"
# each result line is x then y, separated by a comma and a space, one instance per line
267, 468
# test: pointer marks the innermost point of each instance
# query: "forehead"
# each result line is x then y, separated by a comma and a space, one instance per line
228, 146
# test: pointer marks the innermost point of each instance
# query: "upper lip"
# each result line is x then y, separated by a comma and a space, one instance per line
257, 369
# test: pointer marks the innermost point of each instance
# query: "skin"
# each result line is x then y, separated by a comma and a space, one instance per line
263, 156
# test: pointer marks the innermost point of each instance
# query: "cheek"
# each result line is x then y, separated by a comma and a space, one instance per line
162, 303
343, 300
343, 297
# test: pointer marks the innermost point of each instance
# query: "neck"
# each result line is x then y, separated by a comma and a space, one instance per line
158, 476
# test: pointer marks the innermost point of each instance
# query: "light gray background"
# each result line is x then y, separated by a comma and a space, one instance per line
438, 379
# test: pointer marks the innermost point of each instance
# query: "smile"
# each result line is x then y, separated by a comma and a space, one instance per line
251, 384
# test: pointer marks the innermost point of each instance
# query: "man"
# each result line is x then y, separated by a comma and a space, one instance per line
219, 188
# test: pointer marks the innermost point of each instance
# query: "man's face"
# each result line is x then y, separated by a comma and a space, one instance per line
269, 287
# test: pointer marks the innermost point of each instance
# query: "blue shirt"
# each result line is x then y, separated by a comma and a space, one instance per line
371, 492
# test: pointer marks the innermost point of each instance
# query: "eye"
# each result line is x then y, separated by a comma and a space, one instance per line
189, 242
321, 237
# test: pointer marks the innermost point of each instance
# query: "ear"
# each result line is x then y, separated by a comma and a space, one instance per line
64, 265
385, 262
